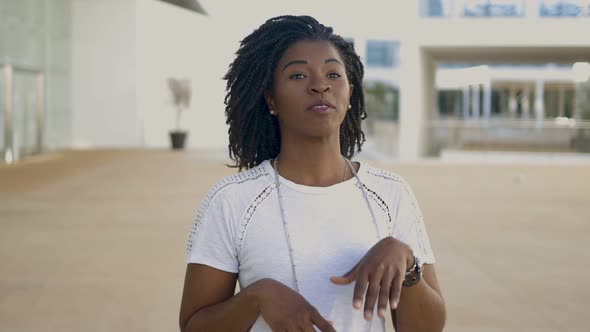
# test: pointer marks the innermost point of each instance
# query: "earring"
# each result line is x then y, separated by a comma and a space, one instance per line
272, 112
349, 106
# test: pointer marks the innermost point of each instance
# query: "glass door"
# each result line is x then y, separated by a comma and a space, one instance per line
26, 100
22, 100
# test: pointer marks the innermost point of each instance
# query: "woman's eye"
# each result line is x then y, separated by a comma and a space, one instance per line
296, 76
334, 75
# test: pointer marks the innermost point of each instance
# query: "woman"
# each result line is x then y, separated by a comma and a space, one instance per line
316, 240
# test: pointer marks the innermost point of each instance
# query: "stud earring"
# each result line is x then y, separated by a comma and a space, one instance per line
349, 106
272, 112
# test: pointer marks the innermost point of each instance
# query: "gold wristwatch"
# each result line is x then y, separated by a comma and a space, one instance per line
413, 274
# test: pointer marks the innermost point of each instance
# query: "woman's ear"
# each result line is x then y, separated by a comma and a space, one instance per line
350, 90
269, 101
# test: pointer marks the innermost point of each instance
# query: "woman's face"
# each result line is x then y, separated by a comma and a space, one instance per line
311, 92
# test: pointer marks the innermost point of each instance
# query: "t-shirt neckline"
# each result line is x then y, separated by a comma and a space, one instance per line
312, 189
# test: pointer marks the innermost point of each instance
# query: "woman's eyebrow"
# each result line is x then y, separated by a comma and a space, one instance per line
303, 62
333, 60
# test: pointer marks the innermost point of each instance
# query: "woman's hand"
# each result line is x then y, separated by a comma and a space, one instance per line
382, 270
285, 310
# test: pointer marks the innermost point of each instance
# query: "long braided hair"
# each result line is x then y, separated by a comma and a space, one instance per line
254, 134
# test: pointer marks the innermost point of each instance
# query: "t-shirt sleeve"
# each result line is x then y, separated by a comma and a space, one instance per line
410, 227
211, 240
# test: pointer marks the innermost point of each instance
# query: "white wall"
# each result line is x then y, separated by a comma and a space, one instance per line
173, 42
125, 50
103, 74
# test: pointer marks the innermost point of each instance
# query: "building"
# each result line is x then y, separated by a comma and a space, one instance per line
484, 75
446, 74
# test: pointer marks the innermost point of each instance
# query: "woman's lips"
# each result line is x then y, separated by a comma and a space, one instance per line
321, 109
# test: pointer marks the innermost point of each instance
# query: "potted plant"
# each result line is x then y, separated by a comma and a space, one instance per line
181, 97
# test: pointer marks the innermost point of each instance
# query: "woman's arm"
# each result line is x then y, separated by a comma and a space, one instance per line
378, 278
209, 304
421, 306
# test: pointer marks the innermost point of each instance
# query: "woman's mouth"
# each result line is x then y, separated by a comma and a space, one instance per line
321, 109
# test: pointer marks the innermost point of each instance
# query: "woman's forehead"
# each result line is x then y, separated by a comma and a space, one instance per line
308, 50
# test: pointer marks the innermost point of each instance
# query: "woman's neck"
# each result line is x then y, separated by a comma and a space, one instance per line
313, 164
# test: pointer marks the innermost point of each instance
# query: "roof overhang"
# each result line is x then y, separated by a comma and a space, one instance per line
509, 54
192, 5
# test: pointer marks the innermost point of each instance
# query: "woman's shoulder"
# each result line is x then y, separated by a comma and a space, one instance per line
382, 176
386, 182
242, 183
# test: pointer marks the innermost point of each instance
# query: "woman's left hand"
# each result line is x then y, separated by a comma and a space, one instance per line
382, 270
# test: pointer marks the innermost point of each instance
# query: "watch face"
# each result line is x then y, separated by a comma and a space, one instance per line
411, 280
414, 274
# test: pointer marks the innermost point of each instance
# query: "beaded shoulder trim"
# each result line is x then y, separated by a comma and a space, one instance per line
385, 174
249, 213
424, 245
242, 177
391, 176
381, 204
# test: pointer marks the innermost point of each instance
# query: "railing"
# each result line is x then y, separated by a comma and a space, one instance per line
558, 135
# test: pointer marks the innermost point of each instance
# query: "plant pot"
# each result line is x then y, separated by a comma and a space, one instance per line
178, 139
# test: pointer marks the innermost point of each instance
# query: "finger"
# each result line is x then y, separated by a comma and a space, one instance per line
343, 280
396, 289
385, 292
373, 291
347, 278
309, 328
321, 323
359, 289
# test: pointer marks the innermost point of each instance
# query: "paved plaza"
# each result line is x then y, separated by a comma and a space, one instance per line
95, 240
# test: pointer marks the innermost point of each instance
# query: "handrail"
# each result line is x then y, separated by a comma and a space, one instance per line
559, 123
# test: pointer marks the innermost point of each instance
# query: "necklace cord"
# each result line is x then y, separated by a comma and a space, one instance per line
277, 185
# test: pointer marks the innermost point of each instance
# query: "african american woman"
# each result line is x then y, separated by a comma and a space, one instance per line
315, 240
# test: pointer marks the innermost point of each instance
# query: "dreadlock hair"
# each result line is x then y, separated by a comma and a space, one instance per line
254, 134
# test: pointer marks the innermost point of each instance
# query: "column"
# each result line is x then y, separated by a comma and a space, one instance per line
487, 101
525, 103
475, 101
539, 104
417, 100
465, 102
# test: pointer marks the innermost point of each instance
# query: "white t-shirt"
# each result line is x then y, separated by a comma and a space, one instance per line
239, 229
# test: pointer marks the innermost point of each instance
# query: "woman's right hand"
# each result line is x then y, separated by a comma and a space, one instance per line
285, 310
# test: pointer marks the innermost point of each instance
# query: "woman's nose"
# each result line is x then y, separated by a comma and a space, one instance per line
319, 88
318, 85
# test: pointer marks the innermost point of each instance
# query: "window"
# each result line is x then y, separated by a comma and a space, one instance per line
382, 100
436, 8
382, 54
493, 8
559, 8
